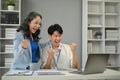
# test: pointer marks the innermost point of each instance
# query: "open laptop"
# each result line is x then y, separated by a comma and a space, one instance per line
96, 63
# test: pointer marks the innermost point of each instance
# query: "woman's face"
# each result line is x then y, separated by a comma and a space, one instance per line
55, 39
34, 25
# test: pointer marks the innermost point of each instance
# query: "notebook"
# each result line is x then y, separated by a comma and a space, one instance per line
96, 63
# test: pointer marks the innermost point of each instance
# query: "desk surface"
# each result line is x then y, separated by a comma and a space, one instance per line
108, 74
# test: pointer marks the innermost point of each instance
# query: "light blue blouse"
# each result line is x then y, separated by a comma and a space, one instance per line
22, 57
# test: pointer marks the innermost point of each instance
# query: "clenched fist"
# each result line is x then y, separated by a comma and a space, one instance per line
73, 46
51, 52
24, 43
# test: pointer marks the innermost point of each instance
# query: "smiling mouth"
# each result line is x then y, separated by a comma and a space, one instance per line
57, 42
35, 29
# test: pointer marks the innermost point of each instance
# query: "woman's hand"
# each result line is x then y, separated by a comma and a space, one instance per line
24, 43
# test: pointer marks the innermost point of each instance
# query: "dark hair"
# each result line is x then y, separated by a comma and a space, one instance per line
55, 27
25, 26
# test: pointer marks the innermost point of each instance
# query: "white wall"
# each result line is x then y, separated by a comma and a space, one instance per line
67, 13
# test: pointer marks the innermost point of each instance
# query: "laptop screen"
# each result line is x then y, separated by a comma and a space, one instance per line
96, 63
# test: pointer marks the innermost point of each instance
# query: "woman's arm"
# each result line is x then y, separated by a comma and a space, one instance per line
18, 49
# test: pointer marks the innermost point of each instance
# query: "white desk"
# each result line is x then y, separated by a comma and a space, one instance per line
108, 74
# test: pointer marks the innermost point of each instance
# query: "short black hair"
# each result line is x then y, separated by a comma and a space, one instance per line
55, 27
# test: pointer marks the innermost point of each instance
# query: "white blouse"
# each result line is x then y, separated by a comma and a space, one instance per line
62, 59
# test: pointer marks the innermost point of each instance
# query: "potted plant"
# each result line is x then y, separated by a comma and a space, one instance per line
10, 4
98, 35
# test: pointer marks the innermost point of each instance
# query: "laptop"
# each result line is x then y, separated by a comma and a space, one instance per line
95, 63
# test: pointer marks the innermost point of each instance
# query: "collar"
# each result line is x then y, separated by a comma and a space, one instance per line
59, 48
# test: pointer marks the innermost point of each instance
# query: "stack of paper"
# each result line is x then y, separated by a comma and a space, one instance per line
19, 73
89, 48
8, 62
47, 72
89, 34
10, 32
110, 49
9, 48
111, 34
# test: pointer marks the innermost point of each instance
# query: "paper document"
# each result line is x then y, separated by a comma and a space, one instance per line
47, 72
19, 73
